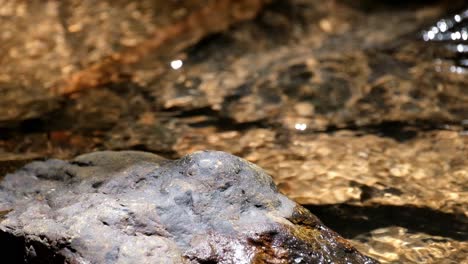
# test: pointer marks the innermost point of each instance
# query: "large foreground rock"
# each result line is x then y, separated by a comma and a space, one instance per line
136, 207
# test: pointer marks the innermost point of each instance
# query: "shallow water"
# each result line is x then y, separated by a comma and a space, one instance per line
353, 108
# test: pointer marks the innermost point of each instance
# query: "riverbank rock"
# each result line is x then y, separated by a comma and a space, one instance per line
136, 207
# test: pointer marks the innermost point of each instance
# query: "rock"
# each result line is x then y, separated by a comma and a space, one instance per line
136, 207
343, 102
365, 184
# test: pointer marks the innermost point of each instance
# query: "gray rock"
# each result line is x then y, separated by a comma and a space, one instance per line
136, 207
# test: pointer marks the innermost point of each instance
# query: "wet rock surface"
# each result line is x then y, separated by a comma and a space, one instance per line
121, 207
347, 104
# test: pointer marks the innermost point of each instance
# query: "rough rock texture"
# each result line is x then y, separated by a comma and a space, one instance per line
347, 104
136, 207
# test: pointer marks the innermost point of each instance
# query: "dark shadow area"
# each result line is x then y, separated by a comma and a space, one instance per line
399, 131
351, 221
13, 251
385, 5
215, 119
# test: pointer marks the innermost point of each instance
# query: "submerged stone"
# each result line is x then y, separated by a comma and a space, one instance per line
136, 207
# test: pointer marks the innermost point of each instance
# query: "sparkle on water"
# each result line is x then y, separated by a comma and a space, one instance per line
300, 126
176, 64
452, 32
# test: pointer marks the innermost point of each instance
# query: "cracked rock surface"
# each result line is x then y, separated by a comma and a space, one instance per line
348, 105
136, 207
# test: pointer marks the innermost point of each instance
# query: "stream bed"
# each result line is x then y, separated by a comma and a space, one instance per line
358, 110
